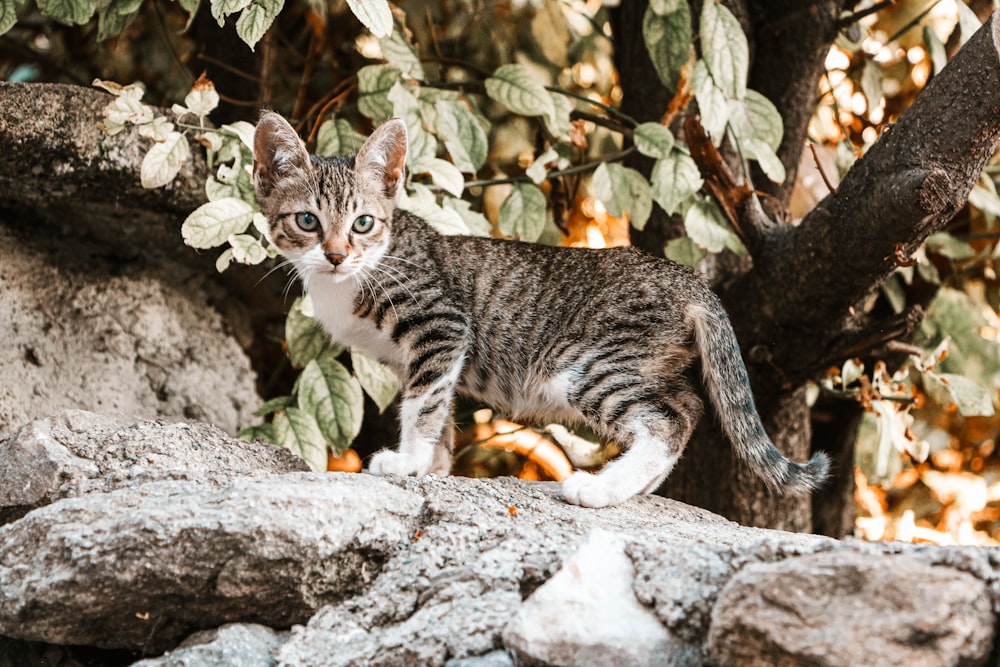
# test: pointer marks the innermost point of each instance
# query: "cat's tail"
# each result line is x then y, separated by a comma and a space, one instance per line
729, 387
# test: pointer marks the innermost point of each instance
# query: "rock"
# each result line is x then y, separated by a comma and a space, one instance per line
81, 331
846, 608
587, 614
143, 567
237, 644
78, 452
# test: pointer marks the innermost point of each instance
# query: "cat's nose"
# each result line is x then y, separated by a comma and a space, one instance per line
335, 258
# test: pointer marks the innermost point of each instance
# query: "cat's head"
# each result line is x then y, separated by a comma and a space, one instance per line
332, 217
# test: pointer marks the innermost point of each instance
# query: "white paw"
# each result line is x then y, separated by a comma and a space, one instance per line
587, 490
388, 462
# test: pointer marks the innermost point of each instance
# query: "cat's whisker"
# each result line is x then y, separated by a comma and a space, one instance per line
406, 261
380, 269
388, 298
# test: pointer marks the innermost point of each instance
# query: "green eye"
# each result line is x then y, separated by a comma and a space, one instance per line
364, 224
307, 222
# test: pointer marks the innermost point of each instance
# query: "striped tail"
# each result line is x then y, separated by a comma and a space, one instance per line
729, 387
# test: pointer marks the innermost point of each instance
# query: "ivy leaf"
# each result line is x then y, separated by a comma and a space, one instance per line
622, 190
712, 102
399, 52
666, 30
202, 99
755, 149
164, 160
654, 140
475, 221
935, 49
724, 48
706, 226
374, 84
336, 136
113, 16
444, 174
971, 399
755, 116
684, 251
263, 432
421, 202
256, 19
522, 214
305, 337
946, 245
298, 431
8, 14
333, 396
376, 379
374, 15
968, 24
273, 405
674, 179
247, 249
515, 87
223, 8
212, 224
462, 134
71, 12
558, 122
224, 259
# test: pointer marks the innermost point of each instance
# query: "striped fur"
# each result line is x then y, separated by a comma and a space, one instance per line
605, 338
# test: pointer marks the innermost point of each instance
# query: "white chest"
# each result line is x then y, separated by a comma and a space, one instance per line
333, 304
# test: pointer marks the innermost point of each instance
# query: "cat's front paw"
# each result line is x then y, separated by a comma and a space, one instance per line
587, 490
388, 462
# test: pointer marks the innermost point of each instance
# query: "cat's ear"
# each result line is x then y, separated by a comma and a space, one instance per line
383, 156
278, 153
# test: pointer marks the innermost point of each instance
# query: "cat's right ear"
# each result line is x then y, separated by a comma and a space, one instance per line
278, 153
383, 156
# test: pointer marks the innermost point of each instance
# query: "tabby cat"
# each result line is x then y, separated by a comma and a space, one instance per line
604, 338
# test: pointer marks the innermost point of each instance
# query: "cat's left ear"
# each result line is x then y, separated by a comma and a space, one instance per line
383, 156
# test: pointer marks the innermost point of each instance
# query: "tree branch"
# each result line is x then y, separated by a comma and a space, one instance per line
807, 278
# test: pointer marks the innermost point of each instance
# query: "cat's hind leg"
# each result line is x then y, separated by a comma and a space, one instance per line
654, 443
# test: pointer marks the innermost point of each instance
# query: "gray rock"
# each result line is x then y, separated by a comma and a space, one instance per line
234, 645
78, 452
94, 335
143, 567
587, 615
847, 608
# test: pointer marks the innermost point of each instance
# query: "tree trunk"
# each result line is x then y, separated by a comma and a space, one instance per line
793, 311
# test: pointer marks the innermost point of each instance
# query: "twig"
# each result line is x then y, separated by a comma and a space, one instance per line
857, 16
578, 169
819, 168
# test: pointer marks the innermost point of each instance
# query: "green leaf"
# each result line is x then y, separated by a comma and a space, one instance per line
306, 338
374, 15
623, 190
971, 398
263, 432
707, 227
654, 140
223, 8
399, 52
935, 49
462, 134
164, 160
273, 405
475, 221
72, 12
113, 16
333, 396
968, 23
420, 201
946, 245
724, 48
298, 431
444, 174
674, 179
336, 136
515, 87
374, 84
247, 249
8, 14
712, 102
224, 259
376, 379
755, 149
212, 224
684, 250
558, 122
666, 30
522, 214
256, 18
755, 116
871, 83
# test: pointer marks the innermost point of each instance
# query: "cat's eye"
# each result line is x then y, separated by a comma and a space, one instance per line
364, 224
307, 222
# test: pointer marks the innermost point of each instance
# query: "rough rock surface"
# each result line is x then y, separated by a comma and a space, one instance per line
78, 452
837, 608
81, 331
364, 570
